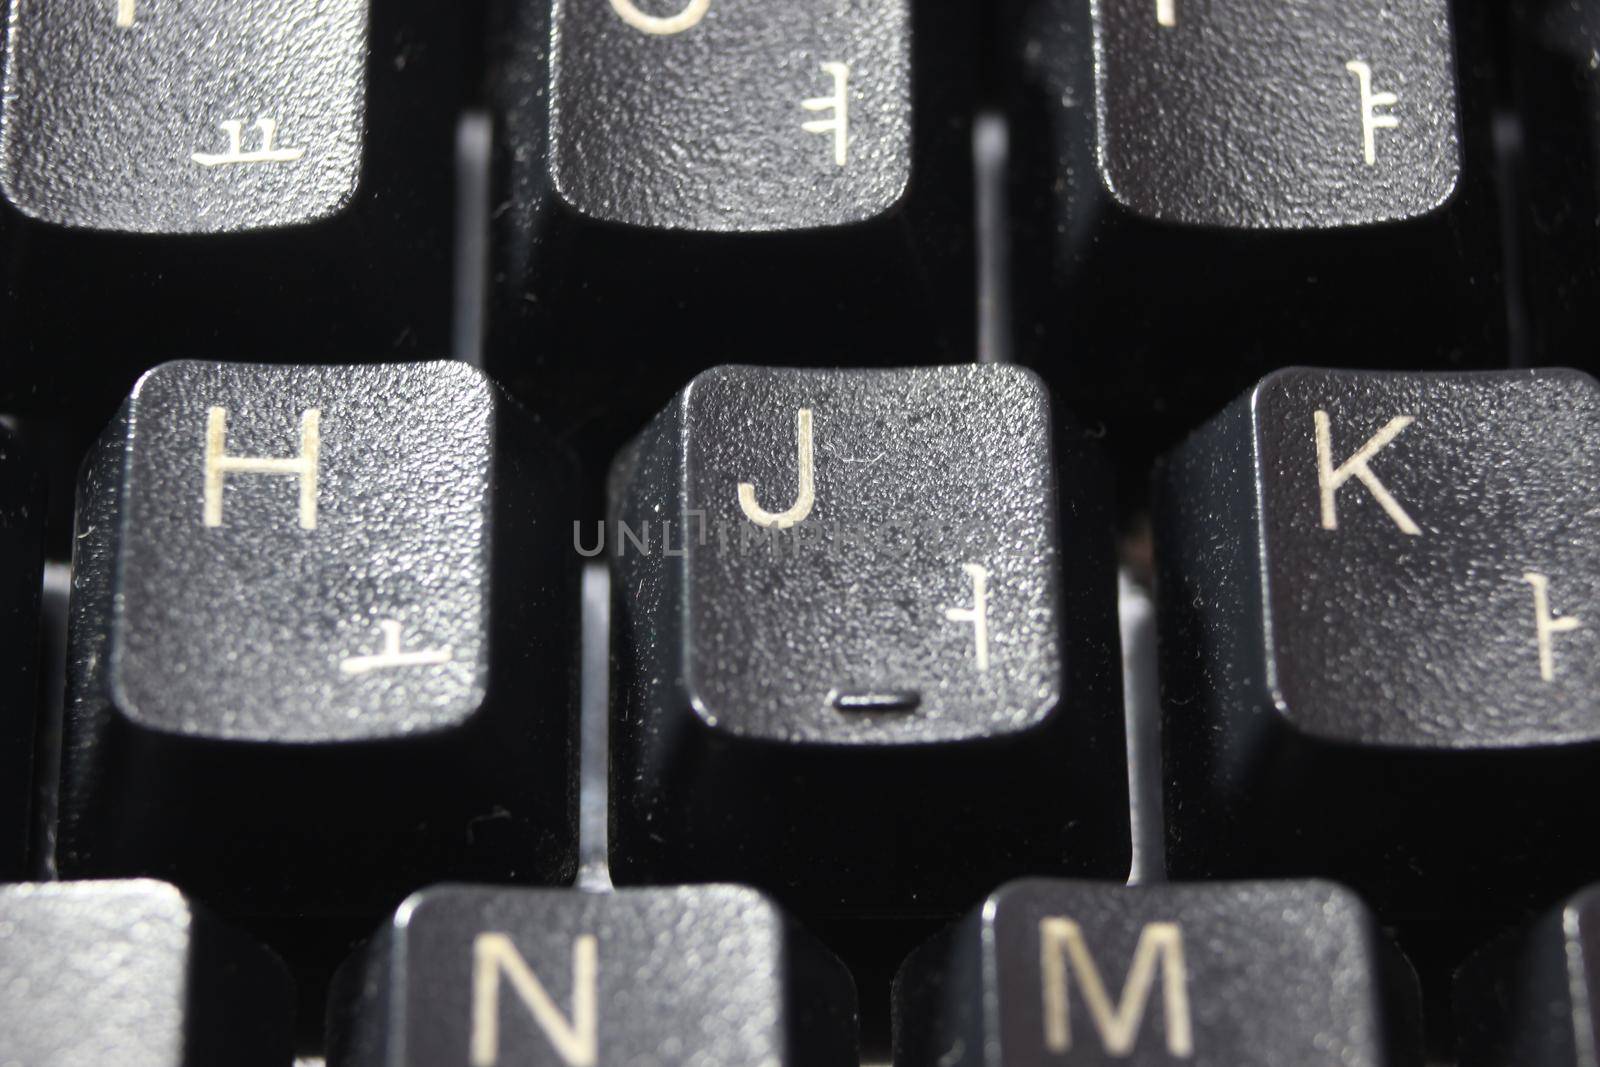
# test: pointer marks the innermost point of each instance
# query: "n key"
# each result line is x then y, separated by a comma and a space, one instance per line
486, 977
1379, 642
1272, 178
184, 176
1227, 975
656, 149
319, 598
866, 647
133, 973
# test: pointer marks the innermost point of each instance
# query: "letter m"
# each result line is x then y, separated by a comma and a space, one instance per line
1063, 951
577, 1042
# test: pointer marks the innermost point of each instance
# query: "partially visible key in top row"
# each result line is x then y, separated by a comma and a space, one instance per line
182, 177
1205, 191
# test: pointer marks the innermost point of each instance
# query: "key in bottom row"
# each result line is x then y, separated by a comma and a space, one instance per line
1233, 975
481, 976
133, 974
1257, 974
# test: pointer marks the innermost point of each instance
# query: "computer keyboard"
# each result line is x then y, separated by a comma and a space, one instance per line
726, 533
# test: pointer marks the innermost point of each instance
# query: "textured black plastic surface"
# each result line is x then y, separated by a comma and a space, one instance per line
1350, 655
1192, 206
703, 128
133, 974
395, 639
1247, 115
776, 684
1532, 996
661, 207
21, 537
1226, 975
702, 975
114, 112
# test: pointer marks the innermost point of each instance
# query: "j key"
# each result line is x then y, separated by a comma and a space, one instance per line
1263, 178
710, 974
1380, 659
132, 973
1557, 95
1532, 998
21, 531
320, 640
867, 658
183, 177
683, 180
1226, 975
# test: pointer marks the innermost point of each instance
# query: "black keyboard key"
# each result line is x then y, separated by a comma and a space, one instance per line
710, 974
1556, 90
267, 131
860, 588
337, 604
1226, 975
132, 973
1531, 997
1268, 179
686, 181
1378, 596
183, 177
21, 544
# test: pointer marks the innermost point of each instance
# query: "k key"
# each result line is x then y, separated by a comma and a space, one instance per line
1379, 643
874, 600
1261, 178
132, 973
491, 977
1225, 975
1531, 997
334, 603
684, 179
182, 177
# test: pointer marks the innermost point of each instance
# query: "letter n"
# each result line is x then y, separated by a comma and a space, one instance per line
494, 957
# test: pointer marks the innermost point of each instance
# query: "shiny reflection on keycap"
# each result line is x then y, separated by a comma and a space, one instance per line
899, 700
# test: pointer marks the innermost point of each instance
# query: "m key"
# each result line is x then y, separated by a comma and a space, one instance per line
654, 150
132, 973
1227, 975
1379, 640
874, 600
490, 977
1271, 178
321, 635
182, 177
